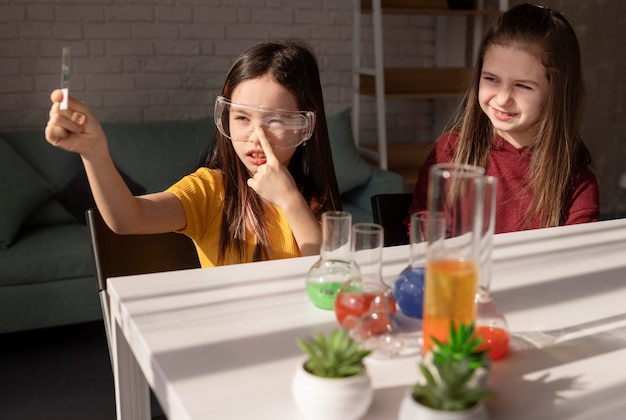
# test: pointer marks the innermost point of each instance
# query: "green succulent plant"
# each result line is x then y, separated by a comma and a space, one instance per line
452, 385
335, 355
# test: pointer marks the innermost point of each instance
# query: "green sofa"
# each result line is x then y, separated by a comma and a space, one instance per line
46, 273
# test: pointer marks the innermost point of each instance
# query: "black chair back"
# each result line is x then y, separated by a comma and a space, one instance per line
122, 255
389, 211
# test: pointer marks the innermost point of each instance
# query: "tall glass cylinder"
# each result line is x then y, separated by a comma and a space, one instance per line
334, 267
455, 191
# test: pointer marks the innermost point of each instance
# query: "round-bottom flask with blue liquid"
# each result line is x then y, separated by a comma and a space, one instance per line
408, 287
408, 291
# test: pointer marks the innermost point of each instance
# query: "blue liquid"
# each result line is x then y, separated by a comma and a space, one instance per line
409, 291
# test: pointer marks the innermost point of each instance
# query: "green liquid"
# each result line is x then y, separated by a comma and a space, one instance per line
323, 294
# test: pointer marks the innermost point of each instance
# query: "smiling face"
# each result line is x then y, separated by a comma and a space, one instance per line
512, 92
261, 92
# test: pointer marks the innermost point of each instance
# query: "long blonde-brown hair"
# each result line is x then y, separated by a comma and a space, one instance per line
292, 64
557, 152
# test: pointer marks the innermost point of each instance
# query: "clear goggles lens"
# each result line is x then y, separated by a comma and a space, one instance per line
284, 129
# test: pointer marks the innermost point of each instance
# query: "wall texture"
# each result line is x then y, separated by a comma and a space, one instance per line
144, 60
147, 60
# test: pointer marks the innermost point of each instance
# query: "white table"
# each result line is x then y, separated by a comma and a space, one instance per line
219, 343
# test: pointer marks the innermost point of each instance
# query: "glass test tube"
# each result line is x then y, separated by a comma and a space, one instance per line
65, 76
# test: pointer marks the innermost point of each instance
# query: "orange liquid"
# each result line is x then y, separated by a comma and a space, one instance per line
495, 341
358, 304
450, 288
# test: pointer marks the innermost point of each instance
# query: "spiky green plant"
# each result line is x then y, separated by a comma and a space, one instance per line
456, 362
336, 355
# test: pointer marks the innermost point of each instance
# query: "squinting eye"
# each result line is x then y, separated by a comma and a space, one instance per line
524, 86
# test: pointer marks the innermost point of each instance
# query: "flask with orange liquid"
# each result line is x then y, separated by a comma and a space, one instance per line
491, 325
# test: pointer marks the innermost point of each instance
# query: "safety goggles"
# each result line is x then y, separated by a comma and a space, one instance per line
284, 129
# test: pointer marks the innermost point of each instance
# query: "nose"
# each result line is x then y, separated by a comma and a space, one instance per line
503, 96
253, 137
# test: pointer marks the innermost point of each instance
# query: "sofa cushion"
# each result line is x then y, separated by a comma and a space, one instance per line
22, 190
156, 155
47, 254
350, 168
55, 165
51, 212
76, 195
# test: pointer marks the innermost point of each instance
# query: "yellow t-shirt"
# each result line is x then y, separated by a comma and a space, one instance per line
202, 196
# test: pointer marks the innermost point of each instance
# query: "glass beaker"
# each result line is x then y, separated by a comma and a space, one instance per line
408, 287
490, 322
334, 267
364, 304
455, 191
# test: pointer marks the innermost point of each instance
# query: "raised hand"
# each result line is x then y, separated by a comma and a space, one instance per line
272, 180
76, 129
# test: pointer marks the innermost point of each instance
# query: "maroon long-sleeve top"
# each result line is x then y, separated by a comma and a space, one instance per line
510, 165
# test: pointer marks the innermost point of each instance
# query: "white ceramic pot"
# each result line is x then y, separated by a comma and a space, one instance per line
412, 410
320, 398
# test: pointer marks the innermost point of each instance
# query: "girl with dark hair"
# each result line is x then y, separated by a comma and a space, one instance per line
267, 179
520, 120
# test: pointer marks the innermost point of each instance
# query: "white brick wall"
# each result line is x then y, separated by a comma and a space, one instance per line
146, 60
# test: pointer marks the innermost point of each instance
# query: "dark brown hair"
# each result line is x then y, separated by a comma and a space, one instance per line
558, 151
292, 64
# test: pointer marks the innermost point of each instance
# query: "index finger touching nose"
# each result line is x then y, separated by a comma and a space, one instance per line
265, 144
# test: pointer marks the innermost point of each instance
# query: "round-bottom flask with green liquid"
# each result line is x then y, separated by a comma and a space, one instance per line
324, 280
334, 267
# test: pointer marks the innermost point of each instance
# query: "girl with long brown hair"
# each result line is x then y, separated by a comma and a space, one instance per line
520, 120
267, 179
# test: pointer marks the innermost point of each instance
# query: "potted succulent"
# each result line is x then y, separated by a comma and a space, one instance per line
332, 382
455, 375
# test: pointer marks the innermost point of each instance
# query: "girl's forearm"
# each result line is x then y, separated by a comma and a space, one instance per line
305, 227
112, 196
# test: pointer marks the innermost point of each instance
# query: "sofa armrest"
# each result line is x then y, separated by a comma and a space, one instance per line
381, 181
